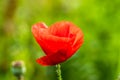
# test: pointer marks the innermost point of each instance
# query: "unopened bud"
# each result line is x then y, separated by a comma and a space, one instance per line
18, 68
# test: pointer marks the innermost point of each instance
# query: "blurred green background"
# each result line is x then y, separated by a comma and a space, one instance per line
97, 59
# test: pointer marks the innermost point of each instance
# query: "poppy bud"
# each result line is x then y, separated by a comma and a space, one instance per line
18, 68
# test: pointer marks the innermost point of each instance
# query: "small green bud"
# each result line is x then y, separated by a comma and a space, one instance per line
18, 68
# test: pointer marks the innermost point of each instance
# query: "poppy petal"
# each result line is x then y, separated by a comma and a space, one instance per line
38, 29
77, 41
60, 29
53, 59
76, 44
49, 43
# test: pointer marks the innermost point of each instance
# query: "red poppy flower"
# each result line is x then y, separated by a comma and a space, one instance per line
59, 42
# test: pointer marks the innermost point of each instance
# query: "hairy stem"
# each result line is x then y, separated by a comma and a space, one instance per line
58, 70
20, 78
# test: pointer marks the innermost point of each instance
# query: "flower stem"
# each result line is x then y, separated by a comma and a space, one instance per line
58, 70
20, 78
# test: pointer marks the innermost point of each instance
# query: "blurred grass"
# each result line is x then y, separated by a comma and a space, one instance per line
97, 59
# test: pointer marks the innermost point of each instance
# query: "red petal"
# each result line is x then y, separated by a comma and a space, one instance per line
53, 59
77, 44
60, 29
49, 43
78, 41
38, 29
76, 36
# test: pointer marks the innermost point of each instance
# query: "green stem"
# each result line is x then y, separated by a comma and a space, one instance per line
20, 78
58, 70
